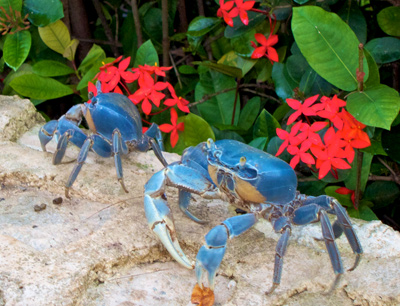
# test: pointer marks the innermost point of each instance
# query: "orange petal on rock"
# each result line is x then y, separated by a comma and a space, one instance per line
202, 297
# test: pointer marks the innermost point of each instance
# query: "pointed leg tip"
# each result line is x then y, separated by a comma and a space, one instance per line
272, 289
67, 193
358, 259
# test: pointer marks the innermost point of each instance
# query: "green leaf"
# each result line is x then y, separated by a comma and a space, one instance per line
351, 180
242, 44
391, 144
311, 84
146, 54
284, 84
89, 76
352, 15
249, 113
37, 87
273, 147
384, 50
201, 25
343, 199
218, 109
186, 69
376, 106
16, 48
374, 77
296, 66
382, 193
55, 36
152, 25
70, 50
43, 12
265, 125
363, 212
95, 54
234, 60
259, 143
389, 20
239, 28
16, 5
225, 69
48, 68
196, 130
328, 44
263, 70
314, 188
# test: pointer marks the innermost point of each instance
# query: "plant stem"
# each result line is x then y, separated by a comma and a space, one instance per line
165, 37
235, 103
360, 77
357, 198
136, 19
107, 29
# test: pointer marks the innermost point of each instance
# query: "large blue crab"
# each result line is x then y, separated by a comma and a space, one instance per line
115, 129
254, 181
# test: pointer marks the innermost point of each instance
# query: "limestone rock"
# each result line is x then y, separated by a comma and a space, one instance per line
96, 248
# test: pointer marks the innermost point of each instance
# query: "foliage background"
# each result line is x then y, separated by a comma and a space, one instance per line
53, 48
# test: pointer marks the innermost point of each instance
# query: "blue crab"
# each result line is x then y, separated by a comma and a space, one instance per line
254, 181
115, 129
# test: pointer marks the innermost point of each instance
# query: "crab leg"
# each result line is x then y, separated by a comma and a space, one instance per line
158, 212
210, 255
342, 224
46, 133
313, 213
80, 161
344, 220
156, 142
281, 225
119, 147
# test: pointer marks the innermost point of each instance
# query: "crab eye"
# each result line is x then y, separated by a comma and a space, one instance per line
217, 154
210, 142
242, 161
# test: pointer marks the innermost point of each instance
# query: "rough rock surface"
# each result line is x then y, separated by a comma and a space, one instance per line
96, 249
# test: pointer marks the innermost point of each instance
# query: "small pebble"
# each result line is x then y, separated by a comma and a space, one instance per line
57, 201
39, 207
2, 199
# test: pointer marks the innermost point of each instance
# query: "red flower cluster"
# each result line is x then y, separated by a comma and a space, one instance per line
149, 92
227, 11
343, 135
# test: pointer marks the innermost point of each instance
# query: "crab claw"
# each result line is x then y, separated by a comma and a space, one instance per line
158, 216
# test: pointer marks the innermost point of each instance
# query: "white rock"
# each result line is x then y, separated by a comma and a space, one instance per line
96, 249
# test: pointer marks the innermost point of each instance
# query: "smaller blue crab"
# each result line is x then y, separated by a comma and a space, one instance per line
254, 181
115, 129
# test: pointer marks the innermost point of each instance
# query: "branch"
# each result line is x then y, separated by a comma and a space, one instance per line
136, 19
106, 27
165, 37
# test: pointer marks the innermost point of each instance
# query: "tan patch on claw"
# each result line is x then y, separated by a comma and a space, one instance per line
202, 297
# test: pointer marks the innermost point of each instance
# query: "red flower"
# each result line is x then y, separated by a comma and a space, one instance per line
266, 47
242, 8
147, 92
173, 128
301, 154
329, 156
310, 131
301, 108
344, 190
111, 75
290, 138
331, 110
154, 69
223, 12
178, 101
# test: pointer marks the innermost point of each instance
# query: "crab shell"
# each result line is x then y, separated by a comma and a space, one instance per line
120, 112
250, 174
